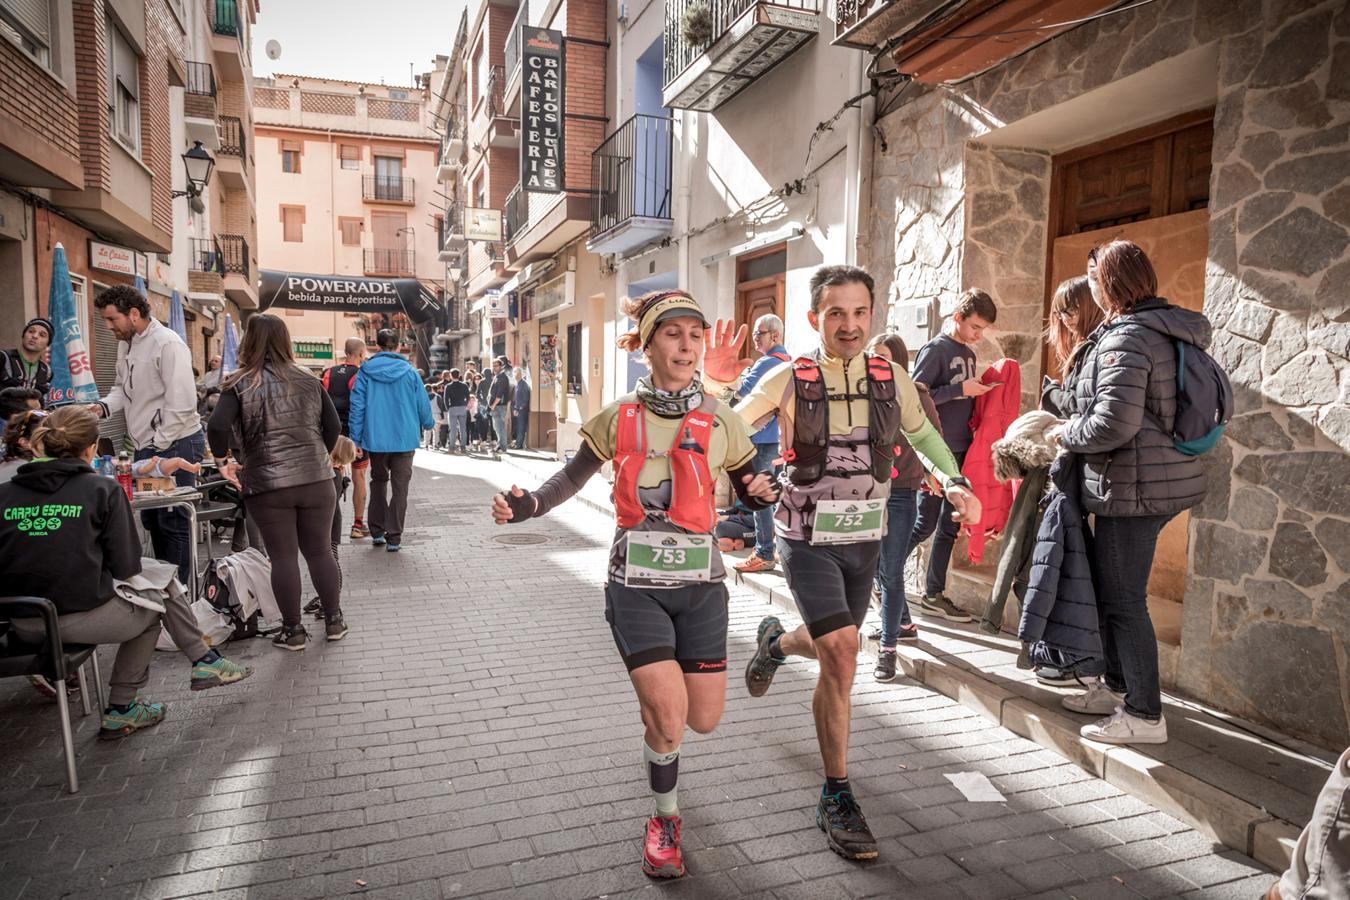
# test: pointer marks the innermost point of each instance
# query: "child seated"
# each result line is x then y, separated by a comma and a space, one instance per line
69, 536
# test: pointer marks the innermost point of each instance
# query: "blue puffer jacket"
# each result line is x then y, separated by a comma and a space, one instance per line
389, 406
1061, 604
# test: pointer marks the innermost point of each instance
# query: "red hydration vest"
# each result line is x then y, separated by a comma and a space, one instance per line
807, 458
692, 503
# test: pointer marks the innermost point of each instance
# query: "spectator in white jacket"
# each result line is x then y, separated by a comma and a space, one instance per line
155, 389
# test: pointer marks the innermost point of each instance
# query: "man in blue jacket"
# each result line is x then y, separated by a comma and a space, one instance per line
768, 336
389, 411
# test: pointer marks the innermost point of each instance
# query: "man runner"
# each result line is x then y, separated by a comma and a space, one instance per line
841, 413
338, 381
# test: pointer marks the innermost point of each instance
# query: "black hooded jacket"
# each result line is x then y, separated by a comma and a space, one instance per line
66, 534
1125, 402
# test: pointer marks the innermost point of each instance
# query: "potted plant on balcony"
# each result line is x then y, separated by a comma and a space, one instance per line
696, 25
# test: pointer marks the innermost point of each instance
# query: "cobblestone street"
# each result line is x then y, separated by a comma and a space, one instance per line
475, 736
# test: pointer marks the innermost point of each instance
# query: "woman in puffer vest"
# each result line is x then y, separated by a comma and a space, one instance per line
1134, 480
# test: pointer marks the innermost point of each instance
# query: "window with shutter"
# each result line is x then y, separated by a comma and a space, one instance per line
290, 156
29, 24
292, 223
350, 156
351, 231
124, 89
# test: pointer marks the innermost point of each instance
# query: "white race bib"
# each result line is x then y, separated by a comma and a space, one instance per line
660, 556
847, 521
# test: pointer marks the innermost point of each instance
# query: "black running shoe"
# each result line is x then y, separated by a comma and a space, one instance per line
293, 638
846, 831
885, 670
762, 666
335, 629
315, 608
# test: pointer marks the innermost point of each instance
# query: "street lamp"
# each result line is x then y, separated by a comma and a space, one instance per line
199, 164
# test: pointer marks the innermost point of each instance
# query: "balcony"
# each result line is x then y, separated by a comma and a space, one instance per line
867, 24
452, 151
452, 234
236, 260
199, 104
205, 270
388, 189
631, 173
503, 127
512, 56
232, 155
516, 214
396, 263
229, 38
748, 39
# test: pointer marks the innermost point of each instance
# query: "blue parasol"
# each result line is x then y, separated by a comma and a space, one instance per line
229, 356
176, 322
72, 370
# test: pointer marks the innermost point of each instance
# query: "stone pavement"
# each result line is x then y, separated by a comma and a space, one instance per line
475, 735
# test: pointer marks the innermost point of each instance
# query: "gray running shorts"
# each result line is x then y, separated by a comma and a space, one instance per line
687, 624
831, 583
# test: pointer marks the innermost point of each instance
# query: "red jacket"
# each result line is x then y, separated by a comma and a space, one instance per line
994, 412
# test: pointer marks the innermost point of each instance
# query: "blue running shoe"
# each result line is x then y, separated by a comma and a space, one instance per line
377, 541
393, 548
117, 724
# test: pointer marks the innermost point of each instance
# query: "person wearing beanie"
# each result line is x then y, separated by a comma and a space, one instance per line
24, 366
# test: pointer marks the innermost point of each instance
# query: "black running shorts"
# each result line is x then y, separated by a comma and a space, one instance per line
830, 583
687, 624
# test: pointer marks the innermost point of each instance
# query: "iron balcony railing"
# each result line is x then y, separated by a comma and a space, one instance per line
496, 83
453, 223
234, 254
516, 216
631, 172
204, 256
389, 262
201, 78
390, 188
454, 131
225, 17
679, 54
231, 136
512, 49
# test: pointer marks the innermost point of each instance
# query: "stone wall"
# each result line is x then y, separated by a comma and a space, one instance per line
1266, 615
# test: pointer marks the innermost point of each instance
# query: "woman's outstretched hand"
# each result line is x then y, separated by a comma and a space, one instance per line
722, 351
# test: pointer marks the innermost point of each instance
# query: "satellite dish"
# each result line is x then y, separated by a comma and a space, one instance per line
273, 49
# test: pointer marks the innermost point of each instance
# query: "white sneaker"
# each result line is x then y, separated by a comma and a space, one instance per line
1123, 728
1097, 700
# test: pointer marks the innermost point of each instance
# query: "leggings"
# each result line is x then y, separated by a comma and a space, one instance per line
293, 521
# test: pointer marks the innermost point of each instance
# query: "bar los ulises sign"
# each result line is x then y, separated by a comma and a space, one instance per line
541, 111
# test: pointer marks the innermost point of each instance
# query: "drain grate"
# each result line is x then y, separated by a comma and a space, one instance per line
521, 539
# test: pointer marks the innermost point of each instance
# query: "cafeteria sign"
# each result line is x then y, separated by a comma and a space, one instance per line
122, 260
541, 111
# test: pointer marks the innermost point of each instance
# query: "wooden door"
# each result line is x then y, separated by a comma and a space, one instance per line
761, 286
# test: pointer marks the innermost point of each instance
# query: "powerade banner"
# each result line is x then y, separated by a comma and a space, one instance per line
345, 293
541, 111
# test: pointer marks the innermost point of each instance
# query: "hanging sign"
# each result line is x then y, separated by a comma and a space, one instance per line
325, 293
482, 224
497, 306
541, 111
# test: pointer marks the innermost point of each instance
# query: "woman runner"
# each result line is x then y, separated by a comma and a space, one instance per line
665, 599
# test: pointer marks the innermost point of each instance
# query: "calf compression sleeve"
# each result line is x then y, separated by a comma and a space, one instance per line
663, 772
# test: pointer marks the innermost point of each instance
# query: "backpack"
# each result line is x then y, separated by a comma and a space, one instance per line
1204, 401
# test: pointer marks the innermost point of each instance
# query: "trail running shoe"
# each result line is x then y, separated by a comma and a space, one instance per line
755, 564
762, 667
293, 638
661, 857
377, 541
360, 531
846, 832
943, 608
335, 628
393, 547
139, 715
214, 674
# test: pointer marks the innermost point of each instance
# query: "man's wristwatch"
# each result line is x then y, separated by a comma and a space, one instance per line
958, 481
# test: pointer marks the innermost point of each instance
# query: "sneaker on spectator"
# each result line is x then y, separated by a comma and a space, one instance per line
335, 629
1097, 700
943, 608
1122, 727
754, 564
315, 608
215, 674
885, 670
139, 714
293, 638
1055, 677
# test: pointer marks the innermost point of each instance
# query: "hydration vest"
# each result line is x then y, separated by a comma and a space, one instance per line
338, 381
692, 505
808, 458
